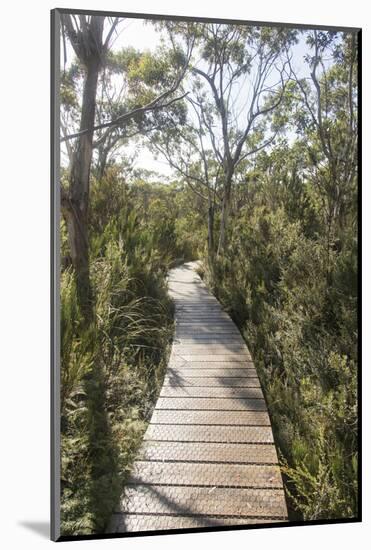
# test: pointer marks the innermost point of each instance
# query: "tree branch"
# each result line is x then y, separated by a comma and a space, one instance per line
154, 105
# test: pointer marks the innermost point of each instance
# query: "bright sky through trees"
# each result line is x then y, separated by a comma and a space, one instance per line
141, 35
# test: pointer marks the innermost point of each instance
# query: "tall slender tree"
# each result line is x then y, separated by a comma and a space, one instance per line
238, 78
326, 108
245, 76
86, 36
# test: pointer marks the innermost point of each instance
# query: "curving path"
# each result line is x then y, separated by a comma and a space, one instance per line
208, 457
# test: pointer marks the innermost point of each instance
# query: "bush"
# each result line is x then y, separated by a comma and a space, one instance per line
295, 303
111, 370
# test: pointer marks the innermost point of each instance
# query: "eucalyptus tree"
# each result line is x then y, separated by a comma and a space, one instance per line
186, 149
131, 78
241, 77
238, 78
156, 83
324, 108
85, 35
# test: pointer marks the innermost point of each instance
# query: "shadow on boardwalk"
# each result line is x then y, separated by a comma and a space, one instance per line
208, 456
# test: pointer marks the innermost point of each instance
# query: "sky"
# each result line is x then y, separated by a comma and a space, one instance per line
142, 36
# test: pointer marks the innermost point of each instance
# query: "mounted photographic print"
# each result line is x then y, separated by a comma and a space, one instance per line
205, 191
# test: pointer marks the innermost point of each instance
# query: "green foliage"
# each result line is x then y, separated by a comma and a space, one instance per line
111, 370
296, 307
289, 278
287, 273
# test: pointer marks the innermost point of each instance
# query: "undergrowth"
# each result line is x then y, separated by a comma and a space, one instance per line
112, 369
301, 327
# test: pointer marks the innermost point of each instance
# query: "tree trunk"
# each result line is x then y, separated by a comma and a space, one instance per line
223, 224
76, 207
224, 217
79, 249
210, 238
210, 231
102, 161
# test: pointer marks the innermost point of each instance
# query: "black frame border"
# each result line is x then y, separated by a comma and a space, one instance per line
55, 271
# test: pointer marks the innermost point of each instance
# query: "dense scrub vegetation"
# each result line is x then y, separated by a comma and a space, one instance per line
263, 191
112, 369
288, 275
298, 316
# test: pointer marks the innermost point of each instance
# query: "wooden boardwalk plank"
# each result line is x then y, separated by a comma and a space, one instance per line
214, 434
206, 475
223, 391
213, 358
247, 366
208, 456
231, 370
238, 453
159, 499
208, 404
210, 382
150, 522
232, 418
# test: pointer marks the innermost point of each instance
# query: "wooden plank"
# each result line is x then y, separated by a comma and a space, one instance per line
208, 455
234, 453
218, 501
218, 418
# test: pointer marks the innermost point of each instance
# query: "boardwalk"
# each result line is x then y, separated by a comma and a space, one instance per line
208, 456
